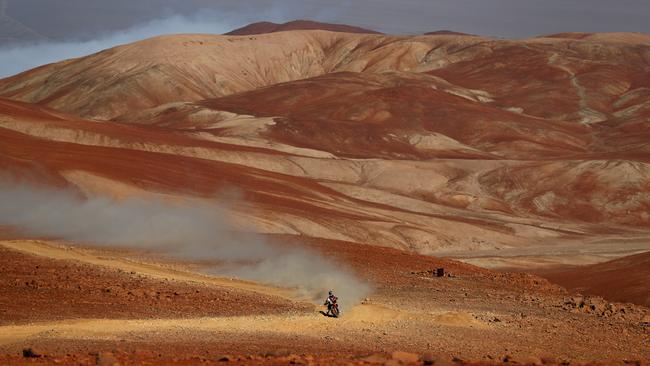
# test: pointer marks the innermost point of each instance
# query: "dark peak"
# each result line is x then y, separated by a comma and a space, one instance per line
568, 35
269, 27
445, 32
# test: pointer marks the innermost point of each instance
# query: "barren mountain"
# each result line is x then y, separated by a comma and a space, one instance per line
379, 152
513, 142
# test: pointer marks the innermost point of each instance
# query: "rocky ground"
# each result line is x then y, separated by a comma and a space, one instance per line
72, 310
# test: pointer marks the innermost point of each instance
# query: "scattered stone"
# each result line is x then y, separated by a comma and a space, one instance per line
646, 320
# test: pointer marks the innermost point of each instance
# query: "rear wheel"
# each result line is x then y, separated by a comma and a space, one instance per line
335, 311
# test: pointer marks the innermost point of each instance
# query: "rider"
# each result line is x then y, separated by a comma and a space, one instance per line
330, 301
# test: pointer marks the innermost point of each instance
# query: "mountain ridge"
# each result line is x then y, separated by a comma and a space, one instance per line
301, 24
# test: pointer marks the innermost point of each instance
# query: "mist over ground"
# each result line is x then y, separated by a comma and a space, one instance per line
185, 230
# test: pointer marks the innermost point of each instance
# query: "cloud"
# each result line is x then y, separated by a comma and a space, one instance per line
21, 57
191, 231
502, 18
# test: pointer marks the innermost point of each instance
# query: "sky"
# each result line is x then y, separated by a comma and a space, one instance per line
73, 28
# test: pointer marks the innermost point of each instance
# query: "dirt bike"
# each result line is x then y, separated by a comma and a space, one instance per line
333, 309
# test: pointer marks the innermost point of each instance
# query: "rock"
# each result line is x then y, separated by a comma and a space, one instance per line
645, 320
106, 359
597, 307
548, 360
405, 357
296, 360
222, 358
32, 353
428, 358
277, 353
374, 358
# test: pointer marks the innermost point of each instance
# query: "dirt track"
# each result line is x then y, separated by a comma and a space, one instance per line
475, 315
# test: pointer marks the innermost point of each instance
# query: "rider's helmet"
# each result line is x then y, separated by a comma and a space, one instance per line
331, 292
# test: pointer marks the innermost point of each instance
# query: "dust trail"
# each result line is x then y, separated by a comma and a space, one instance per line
192, 231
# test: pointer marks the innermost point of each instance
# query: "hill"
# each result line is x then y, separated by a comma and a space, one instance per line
621, 280
441, 144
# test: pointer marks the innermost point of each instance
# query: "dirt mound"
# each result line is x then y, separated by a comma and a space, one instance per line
269, 27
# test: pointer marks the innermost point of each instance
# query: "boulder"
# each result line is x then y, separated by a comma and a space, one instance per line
428, 358
222, 358
32, 353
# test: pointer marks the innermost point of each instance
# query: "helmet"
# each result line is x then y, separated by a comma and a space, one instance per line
331, 292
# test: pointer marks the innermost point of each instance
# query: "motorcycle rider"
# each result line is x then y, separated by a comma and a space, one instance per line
330, 301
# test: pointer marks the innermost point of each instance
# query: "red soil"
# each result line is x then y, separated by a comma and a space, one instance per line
36, 289
363, 109
621, 280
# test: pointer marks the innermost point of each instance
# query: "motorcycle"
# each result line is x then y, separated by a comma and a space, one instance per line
333, 309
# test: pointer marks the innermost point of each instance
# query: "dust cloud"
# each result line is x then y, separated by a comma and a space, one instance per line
189, 231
